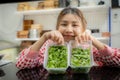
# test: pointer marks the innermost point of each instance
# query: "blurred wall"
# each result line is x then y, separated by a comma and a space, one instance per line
11, 22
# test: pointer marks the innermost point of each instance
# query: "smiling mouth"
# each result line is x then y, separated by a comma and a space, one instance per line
69, 36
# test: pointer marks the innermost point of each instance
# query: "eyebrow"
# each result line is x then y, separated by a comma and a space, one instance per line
64, 21
67, 21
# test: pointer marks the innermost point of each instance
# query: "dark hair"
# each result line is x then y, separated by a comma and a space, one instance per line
71, 10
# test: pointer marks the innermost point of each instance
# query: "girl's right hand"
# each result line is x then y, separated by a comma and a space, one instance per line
55, 36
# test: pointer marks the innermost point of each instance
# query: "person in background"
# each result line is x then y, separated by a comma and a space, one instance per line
70, 23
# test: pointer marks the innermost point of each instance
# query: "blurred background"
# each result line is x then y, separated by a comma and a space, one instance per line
22, 22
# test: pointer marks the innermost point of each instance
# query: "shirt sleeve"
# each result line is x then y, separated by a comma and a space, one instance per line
107, 57
25, 61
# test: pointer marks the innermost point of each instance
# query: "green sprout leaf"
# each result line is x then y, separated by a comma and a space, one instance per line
57, 57
80, 57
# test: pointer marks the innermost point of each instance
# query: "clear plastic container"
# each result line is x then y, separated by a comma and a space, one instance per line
56, 58
80, 56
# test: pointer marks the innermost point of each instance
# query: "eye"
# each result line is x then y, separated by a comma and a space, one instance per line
63, 24
75, 25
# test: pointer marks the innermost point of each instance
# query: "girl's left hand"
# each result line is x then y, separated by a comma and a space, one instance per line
86, 36
83, 37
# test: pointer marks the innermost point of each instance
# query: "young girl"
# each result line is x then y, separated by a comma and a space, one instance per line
71, 23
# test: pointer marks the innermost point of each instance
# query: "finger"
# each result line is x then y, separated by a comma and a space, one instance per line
88, 37
48, 35
61, 39
85, 37
81, 39
52, 36
76, 42
60, 42
56, 37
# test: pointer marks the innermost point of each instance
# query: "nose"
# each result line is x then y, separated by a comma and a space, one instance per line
69, 28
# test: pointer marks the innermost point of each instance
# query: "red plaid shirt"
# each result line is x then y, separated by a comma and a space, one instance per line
106, 57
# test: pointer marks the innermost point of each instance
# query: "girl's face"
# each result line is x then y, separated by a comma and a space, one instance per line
70, 26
